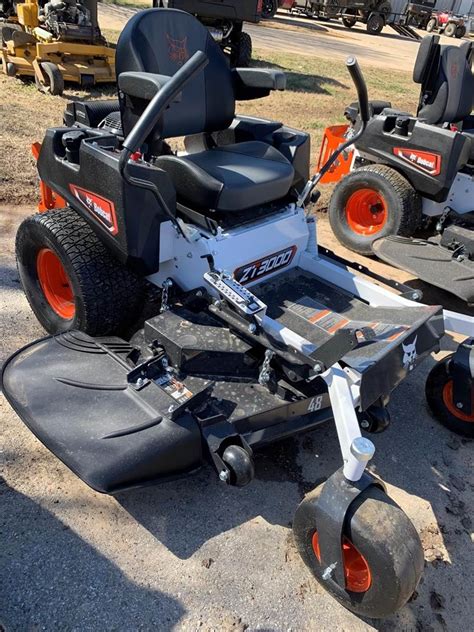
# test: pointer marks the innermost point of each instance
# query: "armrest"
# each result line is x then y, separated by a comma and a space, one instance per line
254, 83
142, 85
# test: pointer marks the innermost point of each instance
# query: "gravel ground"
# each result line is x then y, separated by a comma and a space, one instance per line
196, 555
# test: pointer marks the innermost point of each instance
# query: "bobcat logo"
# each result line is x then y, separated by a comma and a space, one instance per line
409, 355
177, 49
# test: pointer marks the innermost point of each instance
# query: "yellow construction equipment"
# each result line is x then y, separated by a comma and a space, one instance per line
54, 42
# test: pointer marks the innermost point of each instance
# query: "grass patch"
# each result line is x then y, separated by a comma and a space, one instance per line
317, 92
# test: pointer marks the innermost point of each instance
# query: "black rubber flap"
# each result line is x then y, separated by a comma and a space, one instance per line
430, 262
72, 392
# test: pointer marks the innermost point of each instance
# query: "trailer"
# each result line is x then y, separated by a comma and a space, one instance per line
224, 20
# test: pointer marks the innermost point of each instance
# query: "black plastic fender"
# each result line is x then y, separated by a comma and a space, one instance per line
72, 392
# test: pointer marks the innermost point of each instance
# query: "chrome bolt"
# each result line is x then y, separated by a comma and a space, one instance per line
328, 572
318, 367
459, 405
364, 424
252, 328
199, 293
363, 449
224, 476
140, 382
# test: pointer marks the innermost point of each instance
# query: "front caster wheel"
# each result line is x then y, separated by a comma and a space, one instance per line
239, 464
382, 553
439, 395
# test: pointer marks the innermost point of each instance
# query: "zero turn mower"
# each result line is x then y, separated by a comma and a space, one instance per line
258, 335
406, 190
54, 42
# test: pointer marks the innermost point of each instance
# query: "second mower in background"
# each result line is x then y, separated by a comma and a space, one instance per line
406, 191
55, 42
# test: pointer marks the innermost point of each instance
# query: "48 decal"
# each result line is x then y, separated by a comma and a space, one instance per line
261, 267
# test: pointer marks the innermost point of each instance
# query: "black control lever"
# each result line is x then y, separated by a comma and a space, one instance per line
361, 87
162, 99
364, 109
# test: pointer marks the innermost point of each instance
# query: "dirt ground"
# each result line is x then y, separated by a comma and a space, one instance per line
195, 555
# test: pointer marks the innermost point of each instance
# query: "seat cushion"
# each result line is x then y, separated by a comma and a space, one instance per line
229, 178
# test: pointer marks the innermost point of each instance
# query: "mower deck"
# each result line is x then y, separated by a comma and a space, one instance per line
116, 430
431, 262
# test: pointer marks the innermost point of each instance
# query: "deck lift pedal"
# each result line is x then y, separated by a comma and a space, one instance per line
258, 335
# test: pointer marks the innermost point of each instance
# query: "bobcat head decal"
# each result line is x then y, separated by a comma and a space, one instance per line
409, 355
177, 49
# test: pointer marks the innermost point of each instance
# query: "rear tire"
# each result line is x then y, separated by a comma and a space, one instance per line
450, 30
54, 80
460, 32
375, 24
383, 553
439, 395
6, 31
373, 202
71, 280
269, 8
431, 25
241, 55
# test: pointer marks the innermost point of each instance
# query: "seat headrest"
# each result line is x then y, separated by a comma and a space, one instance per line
427, 56
447, 91
160, 41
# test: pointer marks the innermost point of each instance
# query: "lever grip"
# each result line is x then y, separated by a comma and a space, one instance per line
361, 87
160, 102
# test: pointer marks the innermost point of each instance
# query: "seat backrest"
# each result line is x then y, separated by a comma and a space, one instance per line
447, 81
160, 41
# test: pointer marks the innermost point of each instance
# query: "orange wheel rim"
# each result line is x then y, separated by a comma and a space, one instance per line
366, 212
55, 283
448, 400
356, 568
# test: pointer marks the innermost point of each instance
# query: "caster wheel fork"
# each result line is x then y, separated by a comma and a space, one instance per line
372, 558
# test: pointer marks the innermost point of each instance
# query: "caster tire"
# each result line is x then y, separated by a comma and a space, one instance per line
431, 25
439, 395
450, 30
54, 80
240, 465
373, 202
71, 280
382, 552
241, 54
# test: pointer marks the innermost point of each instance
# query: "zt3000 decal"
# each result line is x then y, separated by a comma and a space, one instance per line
102, 209
425, 161
261, 267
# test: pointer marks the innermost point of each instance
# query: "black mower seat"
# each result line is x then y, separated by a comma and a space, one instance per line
231, 177
470, 134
